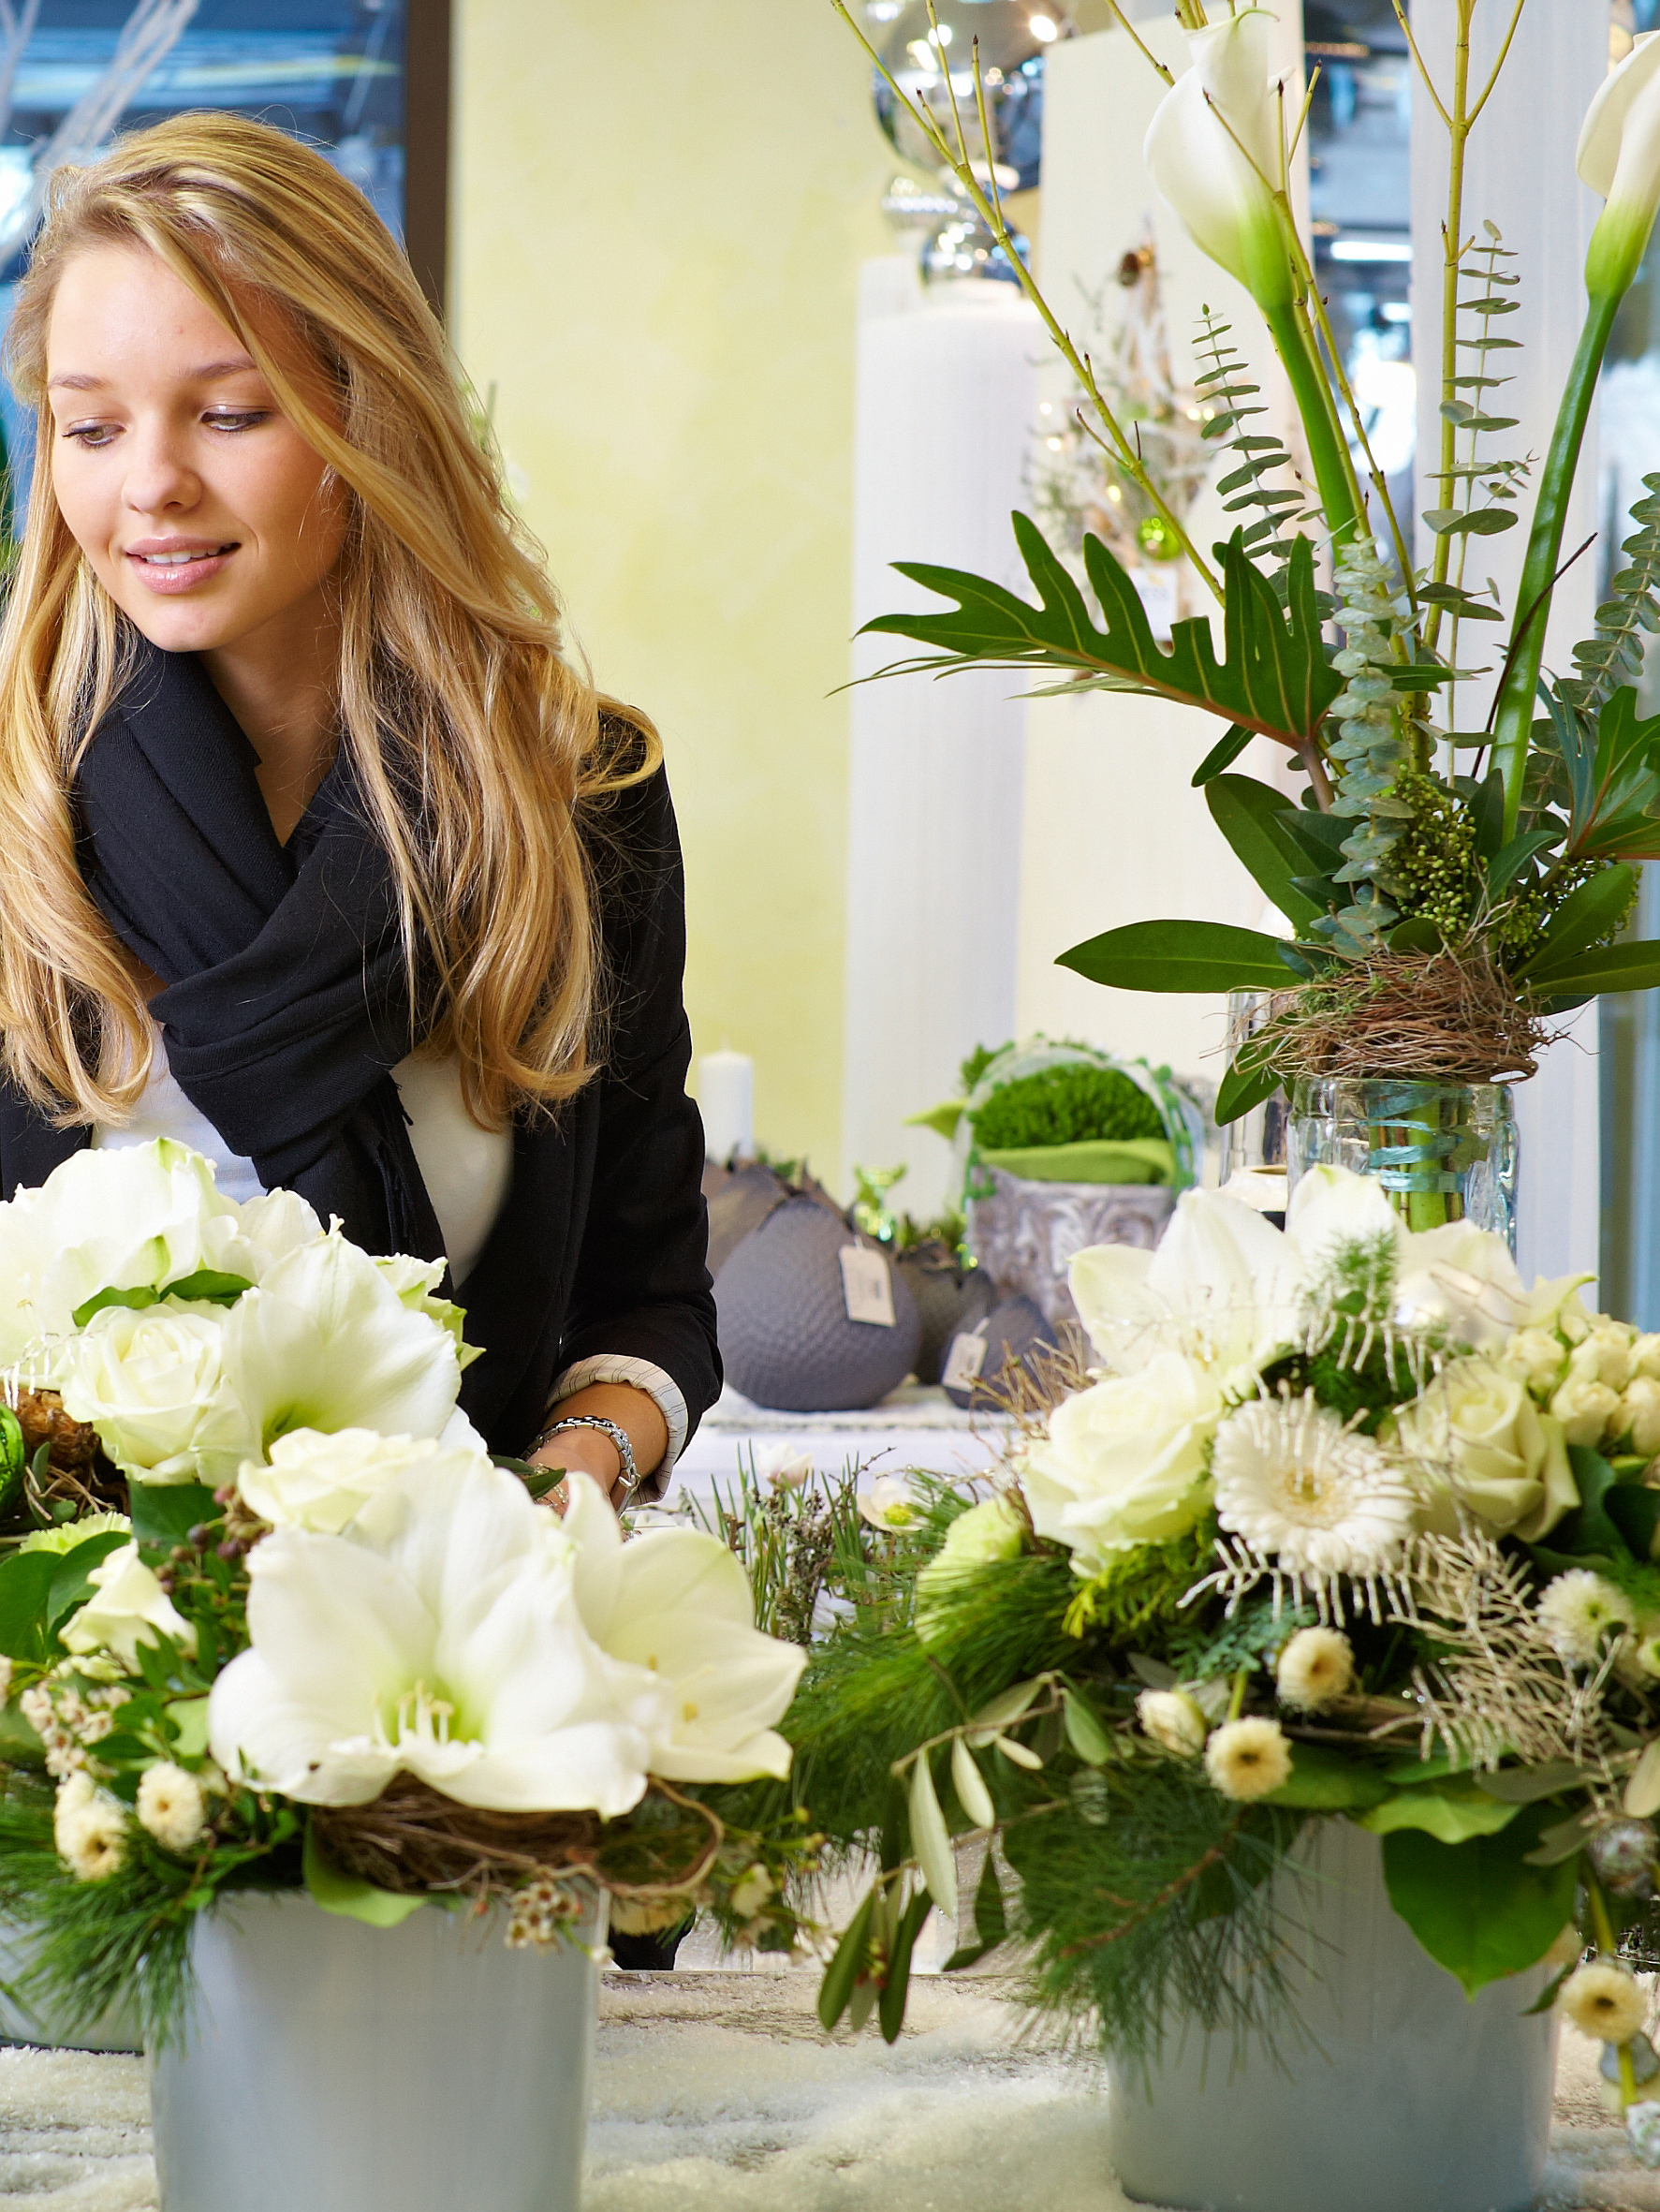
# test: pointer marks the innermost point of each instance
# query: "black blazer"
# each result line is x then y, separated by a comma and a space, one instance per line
600, 1244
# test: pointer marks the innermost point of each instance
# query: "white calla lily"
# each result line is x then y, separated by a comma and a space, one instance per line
677, 1603
1619, 156
441, 1637
1215, 151
1222, 1289
326, 1342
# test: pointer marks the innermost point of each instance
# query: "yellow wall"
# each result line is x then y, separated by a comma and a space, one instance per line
658, 216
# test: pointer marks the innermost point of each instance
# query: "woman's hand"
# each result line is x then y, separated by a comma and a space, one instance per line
591, 1452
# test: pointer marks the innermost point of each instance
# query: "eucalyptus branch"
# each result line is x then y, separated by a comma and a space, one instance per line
993, 217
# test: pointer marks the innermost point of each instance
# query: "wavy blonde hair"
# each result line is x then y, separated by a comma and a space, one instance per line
476, 747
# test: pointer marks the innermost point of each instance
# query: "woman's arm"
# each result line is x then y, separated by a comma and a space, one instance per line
592, 1451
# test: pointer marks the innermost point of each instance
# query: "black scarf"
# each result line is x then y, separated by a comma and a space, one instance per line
286, 1001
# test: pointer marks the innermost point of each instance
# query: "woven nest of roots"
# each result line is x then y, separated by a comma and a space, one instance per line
74, 1470
412, 1841
1438, 1017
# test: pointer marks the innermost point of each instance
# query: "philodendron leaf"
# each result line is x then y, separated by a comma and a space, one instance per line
1182, 956
1273, 675
1478, 1907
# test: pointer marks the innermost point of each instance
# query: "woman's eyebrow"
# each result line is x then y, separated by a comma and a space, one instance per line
240, 364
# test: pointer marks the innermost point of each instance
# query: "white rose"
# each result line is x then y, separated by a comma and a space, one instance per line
130, 1601
325, 1342
1123, 1462
1539, 1357
1645, 1358
1638, 1417
1604, 1354
312, 1480
133, 1218
1584, 1409
1479, 1439
151, 1383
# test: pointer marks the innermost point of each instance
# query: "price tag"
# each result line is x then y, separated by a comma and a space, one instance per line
867, 1287
964, 1363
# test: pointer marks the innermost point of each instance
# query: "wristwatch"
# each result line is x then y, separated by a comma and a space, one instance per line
619, 1436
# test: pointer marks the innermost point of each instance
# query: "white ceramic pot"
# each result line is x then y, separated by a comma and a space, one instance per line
330, 2067
1410, 2098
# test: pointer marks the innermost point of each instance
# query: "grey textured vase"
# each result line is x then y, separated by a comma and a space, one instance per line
1408, 2096
780, 1308
331, 2067
1026, 1234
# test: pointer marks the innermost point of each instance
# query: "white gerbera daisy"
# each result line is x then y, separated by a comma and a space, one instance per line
1247, 1758
1294, 1481
1315, 1668
1578, 1610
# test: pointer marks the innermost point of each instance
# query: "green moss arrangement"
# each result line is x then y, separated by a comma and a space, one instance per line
1074, 1104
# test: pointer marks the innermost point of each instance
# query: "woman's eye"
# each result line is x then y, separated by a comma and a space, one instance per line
237, 418
90, 433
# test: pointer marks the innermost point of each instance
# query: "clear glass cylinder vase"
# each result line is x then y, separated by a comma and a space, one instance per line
1442, 1152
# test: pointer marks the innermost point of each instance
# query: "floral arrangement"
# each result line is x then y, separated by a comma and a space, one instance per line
1448, 885
272, 1616
1346, 1523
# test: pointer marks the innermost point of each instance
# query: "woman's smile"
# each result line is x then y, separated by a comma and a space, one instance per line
176, 565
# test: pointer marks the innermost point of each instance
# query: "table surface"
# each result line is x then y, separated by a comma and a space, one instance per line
716, 2092
917, 1426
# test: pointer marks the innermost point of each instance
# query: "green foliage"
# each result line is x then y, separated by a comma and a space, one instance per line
1143, 1588
1478, 1907
1226, 396
1272, 677
1203, 1649
1614, 654
978, 1061
1253, 817
1207, 956
1065, 1105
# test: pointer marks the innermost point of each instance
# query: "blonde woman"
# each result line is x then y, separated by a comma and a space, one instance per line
319, 855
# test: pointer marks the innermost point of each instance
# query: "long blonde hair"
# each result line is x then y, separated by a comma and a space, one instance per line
477, 748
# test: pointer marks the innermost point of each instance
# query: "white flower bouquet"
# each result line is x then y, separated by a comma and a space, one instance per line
270, 1616
1347, 1522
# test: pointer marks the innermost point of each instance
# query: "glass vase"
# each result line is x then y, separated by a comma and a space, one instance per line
1442, 1152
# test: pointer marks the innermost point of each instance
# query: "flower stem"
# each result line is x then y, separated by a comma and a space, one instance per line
1513, 715
1334, 472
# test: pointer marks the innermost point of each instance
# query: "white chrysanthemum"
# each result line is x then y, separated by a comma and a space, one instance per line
1173, 1721
172, 1805
1578, 1610
89, 1828
1247, 1758
1315, 1668
1298, 1485
1604, 2001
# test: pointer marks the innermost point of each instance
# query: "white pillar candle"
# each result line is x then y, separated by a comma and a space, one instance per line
726, 1093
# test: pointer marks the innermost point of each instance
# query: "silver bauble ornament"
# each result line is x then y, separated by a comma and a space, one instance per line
1014, 37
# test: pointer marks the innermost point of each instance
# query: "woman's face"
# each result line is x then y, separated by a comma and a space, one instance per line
203, 512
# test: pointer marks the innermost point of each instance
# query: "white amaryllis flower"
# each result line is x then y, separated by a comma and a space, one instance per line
676, 1605
152, 1383
1222, 1289
1214, 150
443, 1635
1619, 156
1122, 1463
891, 1502
131, 1608
323, 1481
326, 1342
1302, 1488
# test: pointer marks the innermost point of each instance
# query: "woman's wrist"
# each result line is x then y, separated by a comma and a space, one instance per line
590, 1450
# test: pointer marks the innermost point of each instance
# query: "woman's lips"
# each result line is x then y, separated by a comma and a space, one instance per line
166, 574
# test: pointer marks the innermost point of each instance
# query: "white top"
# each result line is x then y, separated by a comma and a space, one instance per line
466, 1171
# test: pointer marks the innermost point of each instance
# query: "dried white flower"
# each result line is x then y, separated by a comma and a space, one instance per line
1580, 1611
785, 1468
1297, 1484
1604, 2001
751, 1892
171, 1806
1173, 1721
1315, 1668
89, 1829
1247, 1758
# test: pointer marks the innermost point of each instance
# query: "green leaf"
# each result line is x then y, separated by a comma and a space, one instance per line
1451, 1811
1273, 675
1477, 1907
1611, 968
851, 1958
991, 1919
25, 1588
209, 1287
1526, 1785
1475, 521
896, 1987
352, 1898
1590, 1533
165, 1513
1084, 1731
1221, 755
1249, 814
136, 1300
1507, 864
1324, 1781
931, 1839
1210, 956
1242, 1089
189, 1716
71, 1586
1586, 914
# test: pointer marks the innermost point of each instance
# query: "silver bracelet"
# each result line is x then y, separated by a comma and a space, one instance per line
631, 1475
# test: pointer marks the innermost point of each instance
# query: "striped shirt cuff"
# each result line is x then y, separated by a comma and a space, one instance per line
637, 1375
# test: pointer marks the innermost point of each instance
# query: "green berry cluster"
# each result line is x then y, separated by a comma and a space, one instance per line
1435, 864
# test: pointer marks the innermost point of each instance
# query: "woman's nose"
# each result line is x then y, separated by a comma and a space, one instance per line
158, 477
